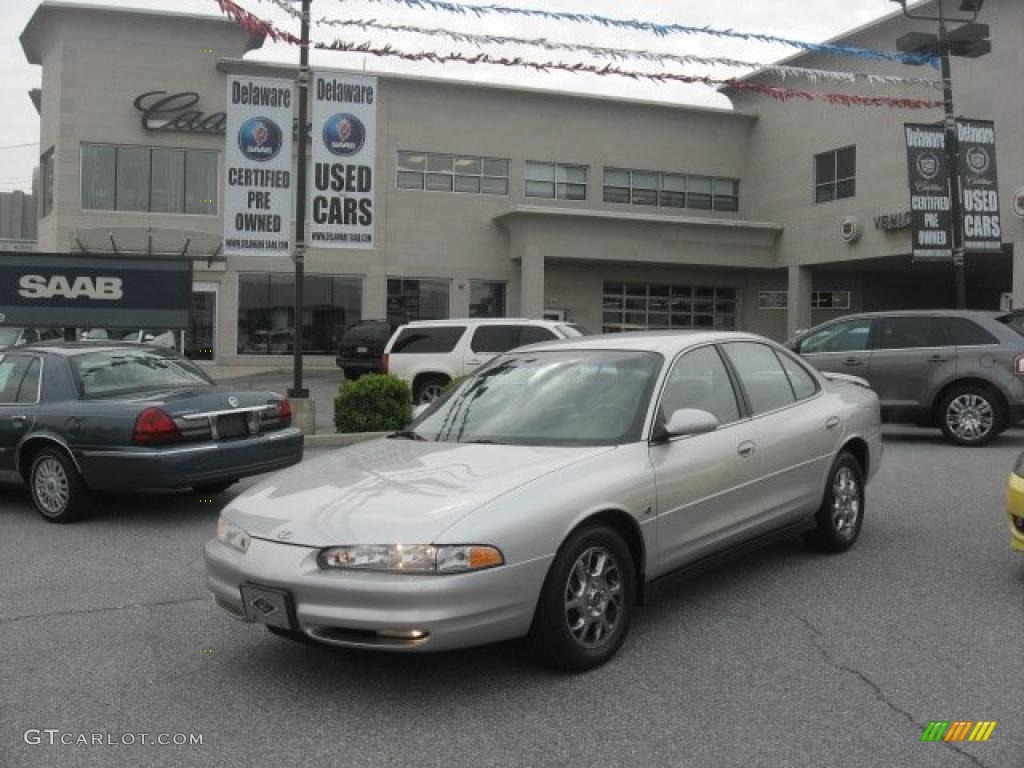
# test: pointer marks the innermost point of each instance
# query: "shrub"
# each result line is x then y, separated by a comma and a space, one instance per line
452, 384
372, 403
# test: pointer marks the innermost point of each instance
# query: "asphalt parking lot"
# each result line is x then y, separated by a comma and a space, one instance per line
784, 658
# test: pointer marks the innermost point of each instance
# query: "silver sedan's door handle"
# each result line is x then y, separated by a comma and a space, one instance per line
937, 359
832, 423
851, 361
746, 448
19, 419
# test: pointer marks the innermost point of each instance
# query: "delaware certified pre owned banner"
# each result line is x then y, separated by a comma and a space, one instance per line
341, 211
931, 214
56, 290
258, 160
977, 142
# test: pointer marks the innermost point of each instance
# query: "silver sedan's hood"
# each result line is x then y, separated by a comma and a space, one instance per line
390, 491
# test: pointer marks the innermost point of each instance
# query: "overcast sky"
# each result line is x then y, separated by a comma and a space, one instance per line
813, 20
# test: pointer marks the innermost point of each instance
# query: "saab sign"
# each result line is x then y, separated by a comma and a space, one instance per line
81, 291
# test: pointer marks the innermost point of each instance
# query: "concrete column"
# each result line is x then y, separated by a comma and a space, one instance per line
798, 316
531, 283
375, 297
1018, 275
459, 303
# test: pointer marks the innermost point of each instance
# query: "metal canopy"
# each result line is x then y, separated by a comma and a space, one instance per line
156, 242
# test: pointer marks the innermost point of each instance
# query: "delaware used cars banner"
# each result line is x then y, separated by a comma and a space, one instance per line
931, 213
341, 187
976, 140
258, 165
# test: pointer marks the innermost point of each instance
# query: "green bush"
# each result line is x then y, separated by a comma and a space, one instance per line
373, 403
452, 384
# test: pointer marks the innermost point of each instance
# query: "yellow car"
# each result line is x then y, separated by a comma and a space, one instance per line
1015, 505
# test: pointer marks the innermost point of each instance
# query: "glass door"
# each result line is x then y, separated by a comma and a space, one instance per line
201, 335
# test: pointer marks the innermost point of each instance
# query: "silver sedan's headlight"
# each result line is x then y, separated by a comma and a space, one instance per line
232, 535
411, 558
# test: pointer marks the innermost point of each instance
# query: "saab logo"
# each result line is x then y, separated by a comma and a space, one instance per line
96, 288
344, 134
259, 138
958, 730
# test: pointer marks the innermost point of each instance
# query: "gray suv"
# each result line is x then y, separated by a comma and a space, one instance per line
962, 371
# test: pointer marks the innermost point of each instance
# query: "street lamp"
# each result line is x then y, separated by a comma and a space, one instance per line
970, 40
297, 391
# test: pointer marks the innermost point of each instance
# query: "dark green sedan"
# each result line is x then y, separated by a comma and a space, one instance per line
80, 417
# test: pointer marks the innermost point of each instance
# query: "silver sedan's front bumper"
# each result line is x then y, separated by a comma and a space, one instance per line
350, 608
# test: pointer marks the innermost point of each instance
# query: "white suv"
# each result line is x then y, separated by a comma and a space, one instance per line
430, 353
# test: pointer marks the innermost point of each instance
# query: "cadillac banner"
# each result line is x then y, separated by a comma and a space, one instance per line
930, 205
977, 142
258, 166
341, 187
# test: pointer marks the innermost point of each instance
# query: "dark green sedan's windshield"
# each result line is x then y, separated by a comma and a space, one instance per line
570, 397
111, 371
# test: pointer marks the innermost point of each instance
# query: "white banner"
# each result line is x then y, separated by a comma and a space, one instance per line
258, 167
344, 134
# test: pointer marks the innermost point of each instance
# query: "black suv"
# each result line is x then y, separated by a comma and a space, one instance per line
362, 347
959, 370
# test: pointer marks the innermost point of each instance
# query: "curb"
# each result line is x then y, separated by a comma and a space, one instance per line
340, 440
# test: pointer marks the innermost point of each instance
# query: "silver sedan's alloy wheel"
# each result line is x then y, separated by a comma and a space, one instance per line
50, 486
846, 502
970, 417
593, 597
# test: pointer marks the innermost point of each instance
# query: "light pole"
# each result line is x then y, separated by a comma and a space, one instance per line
297, 390
968, 41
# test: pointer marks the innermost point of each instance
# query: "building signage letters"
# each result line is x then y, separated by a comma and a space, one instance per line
931, 216
47, 289
976, 140
163, 111
888, 222
258, 165
341, 188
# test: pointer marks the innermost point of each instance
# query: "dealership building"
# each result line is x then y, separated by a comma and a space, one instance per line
503, 201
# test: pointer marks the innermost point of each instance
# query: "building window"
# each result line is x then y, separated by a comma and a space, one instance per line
830, 299
834, 174
640, 307
486, 299
670, 190
772, 299
149, 179
46, 183
266, 312
556, 180
453, 173
417, 300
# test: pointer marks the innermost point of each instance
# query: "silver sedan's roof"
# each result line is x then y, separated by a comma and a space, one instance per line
665, 342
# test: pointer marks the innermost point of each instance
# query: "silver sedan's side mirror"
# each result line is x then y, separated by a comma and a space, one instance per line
690, 421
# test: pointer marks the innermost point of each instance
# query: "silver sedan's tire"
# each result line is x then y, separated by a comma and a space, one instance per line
586, 604
971, 415
58, 492
841, 515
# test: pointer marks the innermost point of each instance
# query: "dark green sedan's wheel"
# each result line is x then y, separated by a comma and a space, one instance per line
586, 603
58, 491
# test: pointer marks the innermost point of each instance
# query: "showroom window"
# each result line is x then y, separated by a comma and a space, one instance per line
417, 300
772, 299
46, 183
266, 312
834, 174
149, 179
641, 307
556, 180
453, 173
486, 299
670, 190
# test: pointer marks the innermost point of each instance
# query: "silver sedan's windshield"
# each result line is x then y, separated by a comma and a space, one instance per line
571, 397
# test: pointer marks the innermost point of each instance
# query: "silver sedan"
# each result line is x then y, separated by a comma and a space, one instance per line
545, 494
